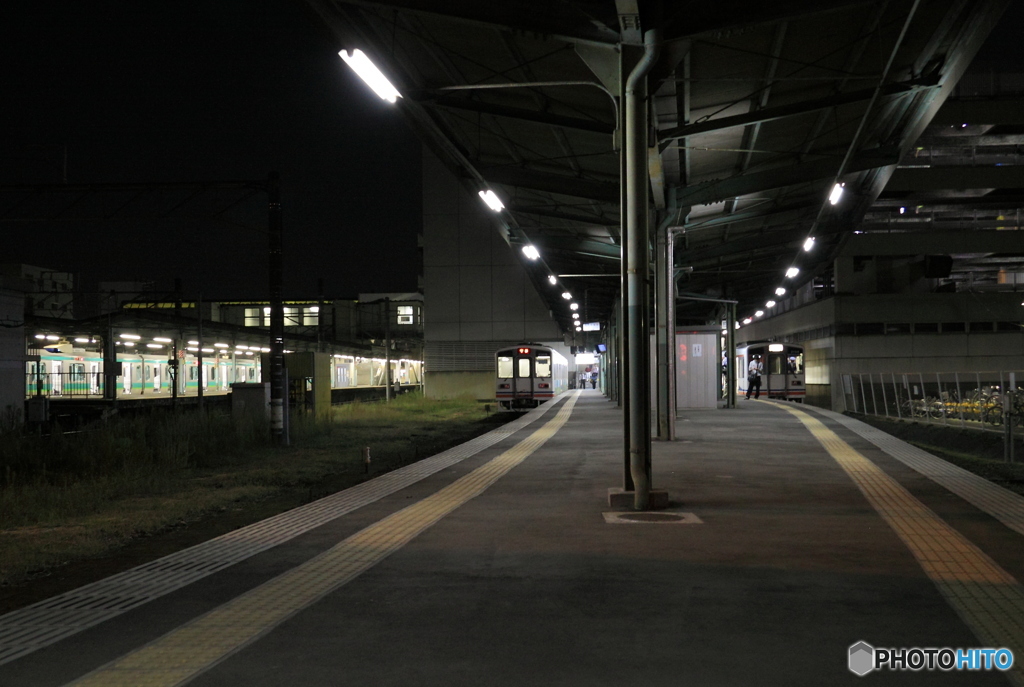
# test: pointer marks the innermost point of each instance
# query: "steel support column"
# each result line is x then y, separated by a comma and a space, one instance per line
663, 346
637, 268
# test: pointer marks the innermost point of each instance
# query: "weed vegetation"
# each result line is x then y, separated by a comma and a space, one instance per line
68, 497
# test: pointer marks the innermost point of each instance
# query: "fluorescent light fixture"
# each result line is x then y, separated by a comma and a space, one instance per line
491, 200
809, 243
579, 329
552, 279
566, 295
161, 339
759, 313
40, 336
369, 73
837, 193
770, 304
129, 343
781, 291
574, 306
152, 345
315, 308
207, 350
220, 345
80, 339
248, 352
52, 337
737, 325
133, 337
531, 252
776, 348
792, 272
193, 343
193, 349
747, 320
264, 350
576, 315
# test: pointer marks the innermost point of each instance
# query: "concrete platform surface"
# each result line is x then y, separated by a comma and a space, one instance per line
791, 535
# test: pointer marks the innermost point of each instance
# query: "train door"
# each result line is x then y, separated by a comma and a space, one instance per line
522, 383
56, 378
776, 382
94, 379
126, 378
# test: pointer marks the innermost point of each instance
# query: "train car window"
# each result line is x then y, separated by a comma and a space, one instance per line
543, 365
795, 361
504, 366
523, 369
775, 364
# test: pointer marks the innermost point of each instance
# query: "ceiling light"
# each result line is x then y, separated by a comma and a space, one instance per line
781, 291
759, 313
220, 345
747, 320
837, 193
566, 295
531, 252
133, 337
552, 279
902, 210
369, 73
576, 315
809, 243
79, 339
792, 272
52, 337
579, 329
574, 306
737, 325
152, 345
770, 304
491, 200
161, 339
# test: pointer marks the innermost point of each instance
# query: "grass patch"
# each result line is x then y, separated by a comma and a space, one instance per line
68, 498
975, 451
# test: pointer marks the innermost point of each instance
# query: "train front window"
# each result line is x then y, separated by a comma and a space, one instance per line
523, 367
774, 364
504, 366
795, 361
543, 365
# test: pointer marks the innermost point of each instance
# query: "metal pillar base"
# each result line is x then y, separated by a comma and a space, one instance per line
621, 498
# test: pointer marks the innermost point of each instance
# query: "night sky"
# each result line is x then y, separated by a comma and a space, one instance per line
195, 90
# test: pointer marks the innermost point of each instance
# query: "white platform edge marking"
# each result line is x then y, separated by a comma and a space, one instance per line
48, 621
1002, 504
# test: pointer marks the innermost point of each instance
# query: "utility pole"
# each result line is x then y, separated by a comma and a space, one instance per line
387, 349
278, 400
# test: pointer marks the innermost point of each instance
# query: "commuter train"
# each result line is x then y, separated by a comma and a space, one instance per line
66, 372
529, 374
783, 364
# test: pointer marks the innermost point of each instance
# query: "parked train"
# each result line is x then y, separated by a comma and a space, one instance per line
783, 365
528, 375
66, 372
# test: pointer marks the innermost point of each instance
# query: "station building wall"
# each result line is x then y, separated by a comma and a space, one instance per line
890, 334
477, 296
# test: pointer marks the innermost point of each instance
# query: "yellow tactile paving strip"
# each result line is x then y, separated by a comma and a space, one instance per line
196, 646
984, 595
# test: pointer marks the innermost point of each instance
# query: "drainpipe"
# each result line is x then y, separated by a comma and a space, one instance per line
637, 268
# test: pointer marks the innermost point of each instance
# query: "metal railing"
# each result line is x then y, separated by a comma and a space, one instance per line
64, 384
970, 400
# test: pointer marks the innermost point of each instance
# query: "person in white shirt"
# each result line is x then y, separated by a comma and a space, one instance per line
754, 371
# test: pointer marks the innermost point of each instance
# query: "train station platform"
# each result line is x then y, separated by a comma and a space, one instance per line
792, 534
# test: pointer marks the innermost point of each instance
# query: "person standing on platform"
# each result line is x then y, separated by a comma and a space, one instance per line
754, 371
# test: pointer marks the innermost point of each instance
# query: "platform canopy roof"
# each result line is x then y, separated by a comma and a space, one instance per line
758, 110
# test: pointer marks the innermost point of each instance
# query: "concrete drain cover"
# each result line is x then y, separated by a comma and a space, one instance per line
648, 517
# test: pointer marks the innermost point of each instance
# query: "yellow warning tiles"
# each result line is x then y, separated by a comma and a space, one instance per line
189, 650
984, 595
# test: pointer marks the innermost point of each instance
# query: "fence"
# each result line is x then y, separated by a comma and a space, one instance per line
970, 400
